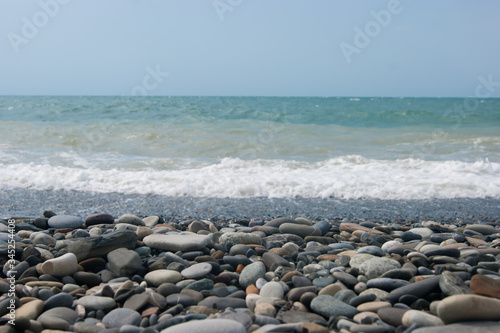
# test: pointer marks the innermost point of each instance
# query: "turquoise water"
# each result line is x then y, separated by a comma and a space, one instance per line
253, 146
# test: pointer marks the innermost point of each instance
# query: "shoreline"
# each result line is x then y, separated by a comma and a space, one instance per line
349, 266
27, 202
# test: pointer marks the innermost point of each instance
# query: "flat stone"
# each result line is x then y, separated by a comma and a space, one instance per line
292, 316
201, 285
207, 326
451, 284
443, 251
484, 285
420, 319
30, 310
273, 261
59, 300
120, 317
401, 274
197, 271
386, 283
251, 273
65, 221
223, 302
418, 289
371, 249
464, 327
183, 241
484, 229
375, 267
99, 246
183, 299
345, 278
392, 316
99, 219
300, 230
136, 302
379, 293
229, 239
468, 307
130, 219
367, 328
59, 318
328, 306
351, 227
275, 223
296, 293
373, 306
94, 303
87, 278
159, 276
424, 232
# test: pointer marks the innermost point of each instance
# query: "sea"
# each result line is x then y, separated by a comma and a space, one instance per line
252, 147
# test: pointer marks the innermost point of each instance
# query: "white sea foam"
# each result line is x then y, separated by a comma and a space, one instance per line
347, 177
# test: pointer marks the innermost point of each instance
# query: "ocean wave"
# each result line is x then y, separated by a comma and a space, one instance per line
345, 177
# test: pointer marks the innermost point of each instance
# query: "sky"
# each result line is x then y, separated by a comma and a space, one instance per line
424, 48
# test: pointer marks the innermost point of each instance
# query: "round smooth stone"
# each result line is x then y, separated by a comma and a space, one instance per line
197, 271
58, 318
272, 289
207, 326
65, 221
160, 276
458, 308
121, 316
421, 319
96, 302
59, 300
251, 273
328, 306
374, 267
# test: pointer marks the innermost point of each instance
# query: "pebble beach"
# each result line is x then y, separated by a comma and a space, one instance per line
248, 265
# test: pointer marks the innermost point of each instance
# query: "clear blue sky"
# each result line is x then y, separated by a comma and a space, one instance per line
249, 47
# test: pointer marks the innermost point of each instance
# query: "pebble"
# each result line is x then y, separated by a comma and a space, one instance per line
375, 267
65, 221
124, 262
458, 308
208, 326
197, 271
157, 277
121, 316
66, 264
328, 306
252, 273
155, 274
95, 303
420, 319
178, 242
